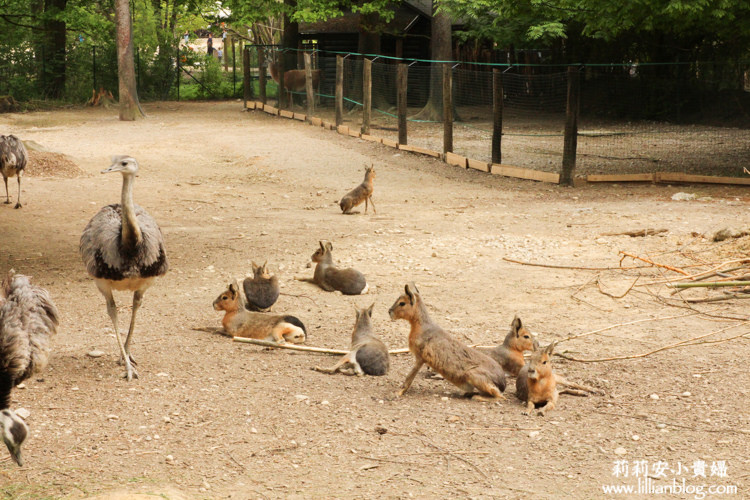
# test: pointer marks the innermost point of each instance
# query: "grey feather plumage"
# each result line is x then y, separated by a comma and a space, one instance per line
103, 253
28, 320
13, 158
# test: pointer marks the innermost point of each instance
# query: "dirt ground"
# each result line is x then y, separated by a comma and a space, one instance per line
211, 418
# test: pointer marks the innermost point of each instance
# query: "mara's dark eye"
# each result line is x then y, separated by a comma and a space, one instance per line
544, 363
402, 303
526, 337
224, 297
124, 163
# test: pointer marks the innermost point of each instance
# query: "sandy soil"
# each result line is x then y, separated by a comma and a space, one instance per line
210, 418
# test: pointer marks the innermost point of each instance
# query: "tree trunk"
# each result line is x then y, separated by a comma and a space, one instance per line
54, 48
130, 108
289, 40
440, 50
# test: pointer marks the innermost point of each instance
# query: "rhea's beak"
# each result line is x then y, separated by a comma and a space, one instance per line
15, 453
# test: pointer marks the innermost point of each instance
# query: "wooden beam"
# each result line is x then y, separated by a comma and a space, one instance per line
454, 159
309, 85
699, 179
339, 90
620, 178
497, 116
482, 166
401, 86
286, 113
524, 173
417, 149
262, 74
447, 108
366, 95
570, 142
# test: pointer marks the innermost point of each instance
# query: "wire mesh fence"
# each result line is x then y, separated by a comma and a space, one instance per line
632, 119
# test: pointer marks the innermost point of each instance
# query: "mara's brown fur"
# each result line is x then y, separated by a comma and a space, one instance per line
466, 368
330, 278
361, 193
367, 354
537, 383
262, 290
238, 322
294, 79
510, 354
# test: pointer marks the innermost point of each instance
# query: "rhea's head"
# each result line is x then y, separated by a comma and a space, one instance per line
123, 164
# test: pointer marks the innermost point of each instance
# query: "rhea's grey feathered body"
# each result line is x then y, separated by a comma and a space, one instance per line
13, 157
28, 319
123, 249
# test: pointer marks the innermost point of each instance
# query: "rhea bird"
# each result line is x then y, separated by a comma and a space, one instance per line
28, 319
12, 163
123, 249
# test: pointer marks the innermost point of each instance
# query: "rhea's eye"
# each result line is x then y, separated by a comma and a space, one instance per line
402, 303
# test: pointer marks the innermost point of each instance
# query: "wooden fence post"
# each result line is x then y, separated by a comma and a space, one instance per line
339, 90
401, 83
247, 93
447, 108
309, 87
262, 74
571, 127
366, 95
497, 117
282, 94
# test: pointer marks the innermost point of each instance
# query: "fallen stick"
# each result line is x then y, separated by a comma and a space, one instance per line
639, 233
726, 296
708, 284
585, 334
682, 343
297, 347
648, 261
553, 266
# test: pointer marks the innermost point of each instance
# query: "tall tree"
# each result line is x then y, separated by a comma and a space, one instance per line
441, 49
54, 48
130, 107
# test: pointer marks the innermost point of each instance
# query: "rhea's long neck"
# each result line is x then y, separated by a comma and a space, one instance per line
131, 232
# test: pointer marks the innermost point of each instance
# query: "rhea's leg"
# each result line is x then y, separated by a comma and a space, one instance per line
410, 377
7, 196
137, 298
18, 202
112, 311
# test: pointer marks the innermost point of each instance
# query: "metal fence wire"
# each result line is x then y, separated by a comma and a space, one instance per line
632, 118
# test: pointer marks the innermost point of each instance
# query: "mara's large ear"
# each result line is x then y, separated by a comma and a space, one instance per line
410, 294
233, 289
255, 266
516, 325
369, 309
322, 246
264, 266
550, 349
329, 246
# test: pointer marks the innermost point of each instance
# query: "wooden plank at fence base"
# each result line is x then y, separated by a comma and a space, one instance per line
524, 173
343, 129
371, 138
355, 133
328, 125
286, 114
250, 105
454, 159
270, 110
390, 143
482, 166
698, 179
317, 122
300, 116
620, 178
417, 149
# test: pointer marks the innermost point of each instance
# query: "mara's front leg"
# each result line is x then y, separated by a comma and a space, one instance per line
410, 378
